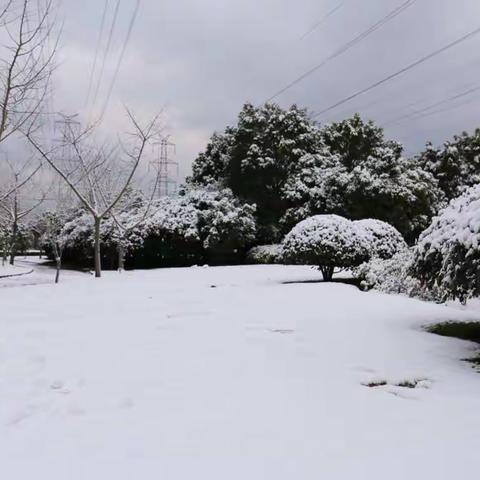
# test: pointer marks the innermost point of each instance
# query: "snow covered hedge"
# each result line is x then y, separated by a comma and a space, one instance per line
394, 276
328, 241
198, 226
447, 255
264, 254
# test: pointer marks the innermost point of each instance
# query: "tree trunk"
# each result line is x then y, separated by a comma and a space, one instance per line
58, 262
4, 253
121, 257
327, 273
98, 260
13, 246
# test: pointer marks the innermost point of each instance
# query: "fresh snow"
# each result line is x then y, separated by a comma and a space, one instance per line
231, 373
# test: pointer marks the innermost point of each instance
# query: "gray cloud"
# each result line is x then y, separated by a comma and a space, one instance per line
202, 60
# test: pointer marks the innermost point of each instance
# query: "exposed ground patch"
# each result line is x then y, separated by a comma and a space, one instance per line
463, 330
415, 383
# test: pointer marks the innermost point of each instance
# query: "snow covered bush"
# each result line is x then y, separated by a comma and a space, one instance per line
328, 241
197, 226
447, 255
264, 254
394, 276
385, 240
77, 236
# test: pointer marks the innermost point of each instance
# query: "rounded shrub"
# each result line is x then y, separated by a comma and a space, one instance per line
385, 240
328, 241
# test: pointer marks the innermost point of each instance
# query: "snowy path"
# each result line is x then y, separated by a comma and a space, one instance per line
39, 272
229, 374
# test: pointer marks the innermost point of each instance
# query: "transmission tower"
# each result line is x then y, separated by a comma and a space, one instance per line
65, 127
167, 170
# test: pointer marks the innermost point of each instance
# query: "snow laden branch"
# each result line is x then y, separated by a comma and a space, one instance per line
99, 176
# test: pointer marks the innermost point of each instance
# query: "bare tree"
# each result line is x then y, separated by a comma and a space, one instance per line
99, 176
12, 209
51, 225
26, 62
134, 209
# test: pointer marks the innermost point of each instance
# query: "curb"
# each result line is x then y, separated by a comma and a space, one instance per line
17, 274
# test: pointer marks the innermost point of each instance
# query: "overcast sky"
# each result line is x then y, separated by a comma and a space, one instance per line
201, 60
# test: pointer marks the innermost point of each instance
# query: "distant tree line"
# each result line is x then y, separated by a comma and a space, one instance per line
274, 169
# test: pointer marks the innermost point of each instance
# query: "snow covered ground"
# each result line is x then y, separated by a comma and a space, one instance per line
229, 373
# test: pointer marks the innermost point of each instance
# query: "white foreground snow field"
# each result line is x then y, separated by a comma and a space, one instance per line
157, 375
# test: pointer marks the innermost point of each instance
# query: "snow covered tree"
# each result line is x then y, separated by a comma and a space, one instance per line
362, 176
196, 226
385, 240
456, 165
328, 241
447, 255
355, 141
210, 167
256, 157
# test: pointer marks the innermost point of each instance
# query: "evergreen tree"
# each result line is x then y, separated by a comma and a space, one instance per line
256, 158
456, 165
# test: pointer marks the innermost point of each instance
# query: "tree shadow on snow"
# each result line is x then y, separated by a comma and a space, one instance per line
346, 281
463, 330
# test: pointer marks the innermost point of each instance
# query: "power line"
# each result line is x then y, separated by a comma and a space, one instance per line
120, 58
400, 72
432, 106
442, 110
344, 48
97, 49
107, 49
323, 19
